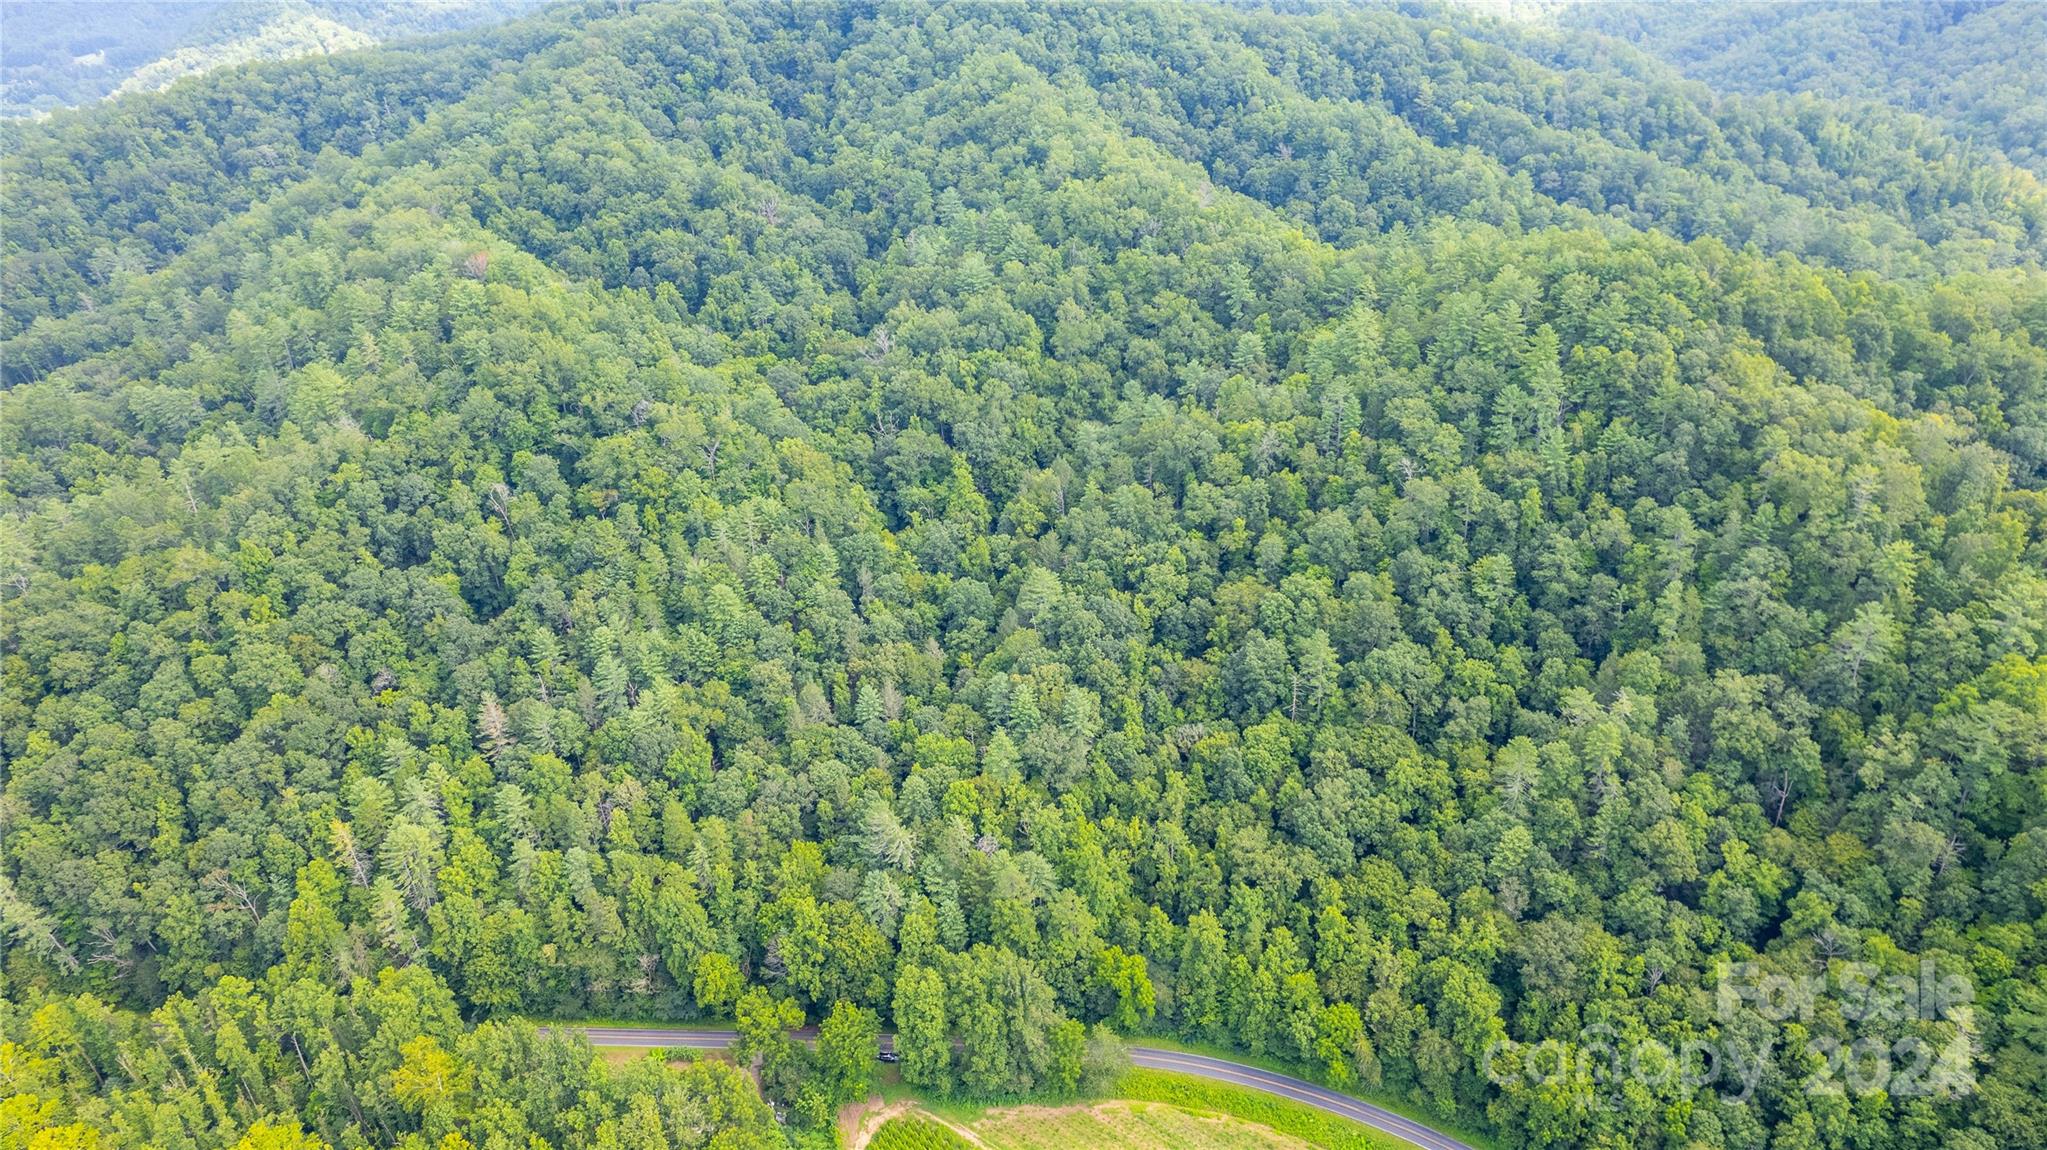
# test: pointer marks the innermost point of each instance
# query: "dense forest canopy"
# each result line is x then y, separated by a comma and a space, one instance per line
1367, 536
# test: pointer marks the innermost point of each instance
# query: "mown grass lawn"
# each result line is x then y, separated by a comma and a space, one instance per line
1150, 1110
619, 1055
1113, 1125
1385, 1100
1296, 1120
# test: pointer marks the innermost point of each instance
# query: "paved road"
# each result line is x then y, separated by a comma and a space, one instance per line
666, 1039
1199, 1065
1300, 1090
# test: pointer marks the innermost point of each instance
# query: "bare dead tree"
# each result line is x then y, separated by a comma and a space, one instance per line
107, 948
234, 896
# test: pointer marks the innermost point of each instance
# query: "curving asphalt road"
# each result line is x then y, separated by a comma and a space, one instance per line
1300, 1090
1198, 1065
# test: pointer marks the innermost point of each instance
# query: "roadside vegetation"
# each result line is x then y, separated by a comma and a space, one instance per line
1144, 1110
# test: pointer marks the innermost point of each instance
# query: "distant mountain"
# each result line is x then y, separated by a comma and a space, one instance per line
63, 53
1974, 68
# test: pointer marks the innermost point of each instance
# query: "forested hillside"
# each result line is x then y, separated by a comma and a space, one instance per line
1371, 538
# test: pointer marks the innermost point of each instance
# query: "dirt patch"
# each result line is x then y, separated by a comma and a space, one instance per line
1028, 1112
1122, 1123
858, 1121
972, 1138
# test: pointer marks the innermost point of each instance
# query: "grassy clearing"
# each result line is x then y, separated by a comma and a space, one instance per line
1152, 1110
1293, 1119
1117, 1125
1201, 1100
1385, 1101
1126, 1125
619, 1055
958, 1111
